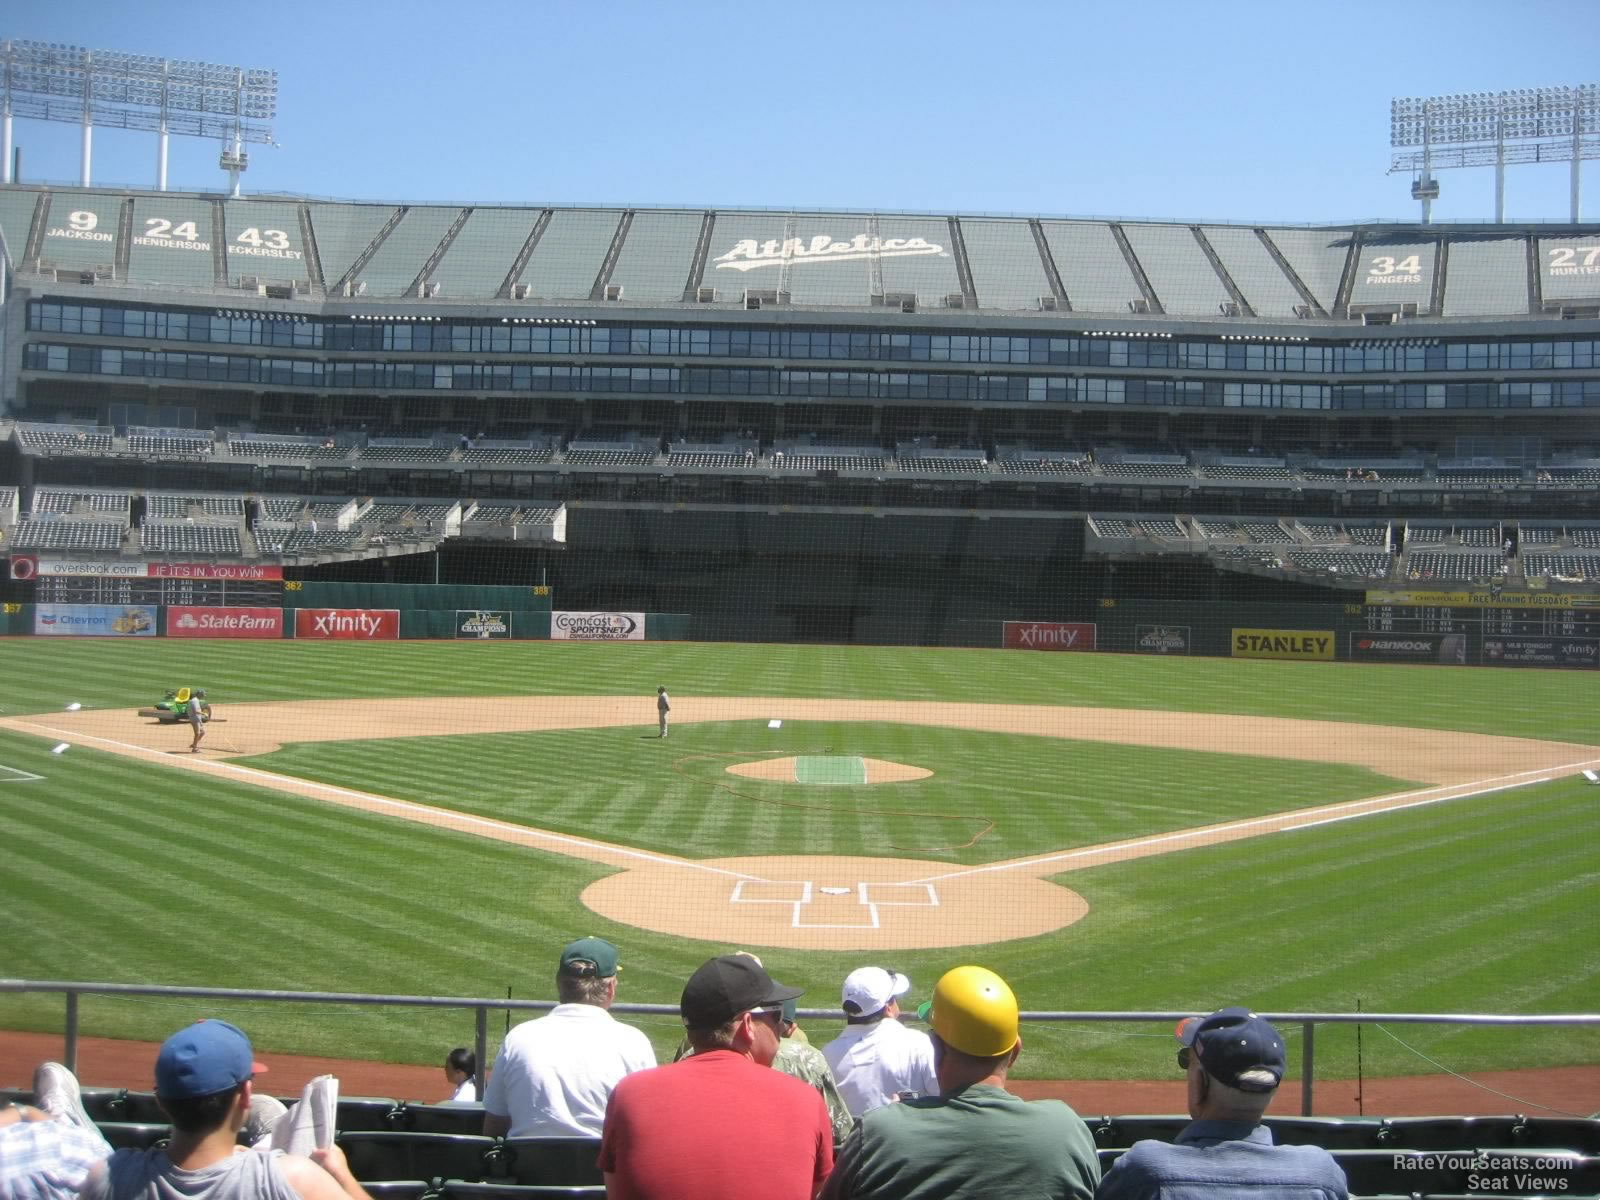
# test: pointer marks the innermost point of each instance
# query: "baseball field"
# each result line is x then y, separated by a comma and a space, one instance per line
1107, 832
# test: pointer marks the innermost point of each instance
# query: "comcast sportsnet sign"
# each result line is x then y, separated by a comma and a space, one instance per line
190, 622
597, 626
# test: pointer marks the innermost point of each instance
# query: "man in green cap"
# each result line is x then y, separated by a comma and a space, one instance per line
555, 1074
975, 1140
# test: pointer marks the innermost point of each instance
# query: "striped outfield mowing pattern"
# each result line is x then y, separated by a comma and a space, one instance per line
830, 768
123, 870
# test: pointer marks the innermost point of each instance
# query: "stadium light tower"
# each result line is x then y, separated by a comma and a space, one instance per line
1472, 129
49, 82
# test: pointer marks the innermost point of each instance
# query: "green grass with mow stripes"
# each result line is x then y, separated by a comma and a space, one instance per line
121, 870
1016, 794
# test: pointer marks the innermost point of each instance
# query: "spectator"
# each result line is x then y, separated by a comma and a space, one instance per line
798, 1057
1234, 1061
554, 1075
461, 1069
974, 1139
49, 1147
877, 1058
204, 1081
719, 1125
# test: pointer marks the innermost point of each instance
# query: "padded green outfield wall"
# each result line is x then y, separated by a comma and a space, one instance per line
444, 597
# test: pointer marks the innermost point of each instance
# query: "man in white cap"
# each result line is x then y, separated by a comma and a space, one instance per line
877, 1059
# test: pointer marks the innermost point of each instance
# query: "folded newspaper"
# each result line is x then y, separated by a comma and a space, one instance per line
309, 1123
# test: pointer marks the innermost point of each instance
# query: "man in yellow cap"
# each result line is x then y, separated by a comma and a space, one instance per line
975, 1139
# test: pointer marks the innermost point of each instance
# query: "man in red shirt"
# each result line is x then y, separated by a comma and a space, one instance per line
720, 1124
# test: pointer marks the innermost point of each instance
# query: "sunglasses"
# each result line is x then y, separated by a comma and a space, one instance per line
1183, 1057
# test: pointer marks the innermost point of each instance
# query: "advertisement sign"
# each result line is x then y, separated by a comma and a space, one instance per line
1161, 639
184, 621
1485, 599
471, 623
1449, 649
1541, 652
97, 567
1049, 635
350, 624
597, 626
95, 620
166, 570
30, 565
1284, 643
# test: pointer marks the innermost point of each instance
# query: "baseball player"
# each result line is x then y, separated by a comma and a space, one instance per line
663, 707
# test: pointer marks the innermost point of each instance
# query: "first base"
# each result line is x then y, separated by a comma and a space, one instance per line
774, 724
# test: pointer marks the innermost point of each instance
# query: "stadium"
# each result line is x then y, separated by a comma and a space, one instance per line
1029, 590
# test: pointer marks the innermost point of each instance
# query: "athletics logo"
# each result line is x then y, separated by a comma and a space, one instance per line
749, 254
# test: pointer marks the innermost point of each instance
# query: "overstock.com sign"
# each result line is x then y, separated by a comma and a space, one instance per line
1049, 635
597, 627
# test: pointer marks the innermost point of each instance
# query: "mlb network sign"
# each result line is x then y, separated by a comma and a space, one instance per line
185, 621
1049, 635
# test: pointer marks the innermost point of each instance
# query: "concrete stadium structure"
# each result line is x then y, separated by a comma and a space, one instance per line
790, 424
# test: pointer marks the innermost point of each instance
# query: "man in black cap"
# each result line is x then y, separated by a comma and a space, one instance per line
1234, 1061
719, 1124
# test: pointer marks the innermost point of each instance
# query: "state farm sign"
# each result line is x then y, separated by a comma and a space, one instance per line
353, 624
1049, 635
192, 622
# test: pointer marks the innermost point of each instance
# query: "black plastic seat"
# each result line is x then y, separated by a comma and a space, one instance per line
388, 1154
563, 1161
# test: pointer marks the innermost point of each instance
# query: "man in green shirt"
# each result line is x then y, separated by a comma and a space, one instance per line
974, 1139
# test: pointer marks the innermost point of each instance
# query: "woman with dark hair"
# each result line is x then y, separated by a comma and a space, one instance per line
461, 1069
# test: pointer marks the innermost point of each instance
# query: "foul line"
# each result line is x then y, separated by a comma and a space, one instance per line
1289, 821
452, 818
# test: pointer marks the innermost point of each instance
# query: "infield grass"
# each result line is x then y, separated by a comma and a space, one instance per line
118, 870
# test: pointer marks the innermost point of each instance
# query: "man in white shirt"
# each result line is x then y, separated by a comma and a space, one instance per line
554, 1075
877, 1058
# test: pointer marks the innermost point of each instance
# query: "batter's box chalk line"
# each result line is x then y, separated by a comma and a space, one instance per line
17, 775
799, 893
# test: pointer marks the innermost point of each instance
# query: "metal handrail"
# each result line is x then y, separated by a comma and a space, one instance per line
482, 1006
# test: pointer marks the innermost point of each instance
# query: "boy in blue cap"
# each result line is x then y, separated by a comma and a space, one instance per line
204, 1081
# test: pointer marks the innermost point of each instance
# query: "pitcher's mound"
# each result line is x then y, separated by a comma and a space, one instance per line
829, 769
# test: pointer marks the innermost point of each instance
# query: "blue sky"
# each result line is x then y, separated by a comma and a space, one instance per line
1236, 110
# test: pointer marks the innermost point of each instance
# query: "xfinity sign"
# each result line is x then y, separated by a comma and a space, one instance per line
1049, 635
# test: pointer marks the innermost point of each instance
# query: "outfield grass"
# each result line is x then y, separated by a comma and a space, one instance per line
124, 871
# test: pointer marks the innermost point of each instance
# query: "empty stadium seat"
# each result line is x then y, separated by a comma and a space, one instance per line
455, 1189
391, 1154
564, 1161
134, 1135
438, 1118
356, 1113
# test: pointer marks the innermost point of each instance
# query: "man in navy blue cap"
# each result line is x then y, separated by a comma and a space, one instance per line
204, 1081
1234, 1063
